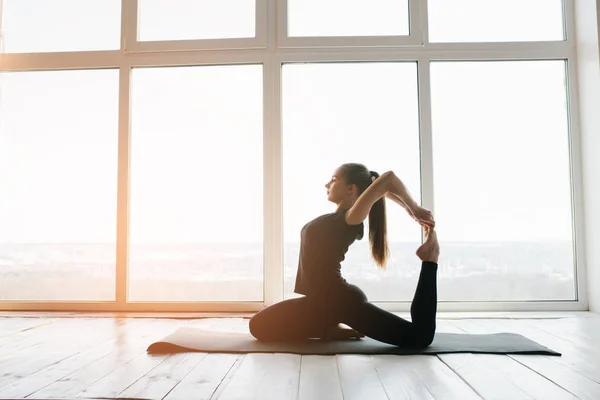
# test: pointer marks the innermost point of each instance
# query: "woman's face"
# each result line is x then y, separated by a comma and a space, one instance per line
337, 189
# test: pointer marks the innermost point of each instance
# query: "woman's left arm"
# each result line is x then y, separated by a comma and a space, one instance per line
399, 191
397, 200
387, 182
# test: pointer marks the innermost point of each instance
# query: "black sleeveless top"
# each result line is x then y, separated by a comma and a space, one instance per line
324, 242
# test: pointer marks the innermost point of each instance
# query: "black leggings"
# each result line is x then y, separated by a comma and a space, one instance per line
309, 316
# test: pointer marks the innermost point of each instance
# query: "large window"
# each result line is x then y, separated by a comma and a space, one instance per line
495, 21
352, 112
164, 155
196, 184
35, 26
347, 18
502, 180
58, 163
196, 19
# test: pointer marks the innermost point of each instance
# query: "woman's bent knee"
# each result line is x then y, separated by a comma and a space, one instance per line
257, 328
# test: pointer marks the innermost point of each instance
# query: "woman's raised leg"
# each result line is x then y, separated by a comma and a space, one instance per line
389, 328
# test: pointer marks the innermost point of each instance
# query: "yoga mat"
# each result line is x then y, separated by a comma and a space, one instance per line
189, 339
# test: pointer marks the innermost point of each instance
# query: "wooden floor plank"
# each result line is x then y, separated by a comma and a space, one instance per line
566, 378
531, 381
14, 326
447, 327
161, 380
581, 359
359, 378
319, 378
206, 376
483, 377
46, 376
222, 324
58, 347
71, 357
551, 367
124, 376
54, 337
12, 344
439, 380
265, 376
579, 333
129, 346
399, 381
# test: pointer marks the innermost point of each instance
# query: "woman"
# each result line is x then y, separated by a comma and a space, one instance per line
329, 299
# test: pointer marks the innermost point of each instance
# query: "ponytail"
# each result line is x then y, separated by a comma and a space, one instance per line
378, 230
360, 176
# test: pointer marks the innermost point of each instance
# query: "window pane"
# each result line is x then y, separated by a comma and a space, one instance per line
351, 112
347, 18
32, 26
495, 21
58, 169
196, 184
196, 19
502, 181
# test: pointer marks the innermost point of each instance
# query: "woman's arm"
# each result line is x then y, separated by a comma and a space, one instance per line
360, 209
398, 192
397, 200
387, 183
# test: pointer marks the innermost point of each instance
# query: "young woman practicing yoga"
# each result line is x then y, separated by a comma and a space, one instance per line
328, 299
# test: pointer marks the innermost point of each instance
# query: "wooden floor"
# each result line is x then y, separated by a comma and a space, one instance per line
105, 357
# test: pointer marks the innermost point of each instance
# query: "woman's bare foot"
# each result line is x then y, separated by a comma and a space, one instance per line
337, 332
430, 250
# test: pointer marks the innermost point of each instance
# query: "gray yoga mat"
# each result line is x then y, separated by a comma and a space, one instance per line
193, 339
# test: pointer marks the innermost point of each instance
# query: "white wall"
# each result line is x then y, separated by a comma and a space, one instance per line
587, 16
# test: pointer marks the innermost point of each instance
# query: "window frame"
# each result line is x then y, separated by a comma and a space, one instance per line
414, 38
134, 45
272, 50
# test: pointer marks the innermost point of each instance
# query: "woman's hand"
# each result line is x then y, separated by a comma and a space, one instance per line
423, 216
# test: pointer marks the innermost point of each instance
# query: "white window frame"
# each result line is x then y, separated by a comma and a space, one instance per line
414, 38
134, 45
272, 51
